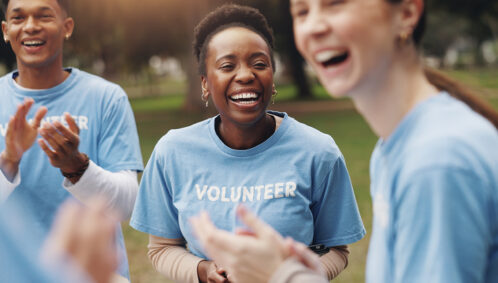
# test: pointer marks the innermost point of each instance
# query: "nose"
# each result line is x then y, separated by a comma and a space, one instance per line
315, 24
31, 25
244, 74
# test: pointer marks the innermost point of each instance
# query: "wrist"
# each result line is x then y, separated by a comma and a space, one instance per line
8, 166
82, 164
202, 268
6, 158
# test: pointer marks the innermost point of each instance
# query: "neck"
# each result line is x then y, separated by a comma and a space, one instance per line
238, 136
41, 77
398, 90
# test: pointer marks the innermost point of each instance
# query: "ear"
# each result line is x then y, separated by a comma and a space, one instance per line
68, 26
410, 13
204, 85
4, 31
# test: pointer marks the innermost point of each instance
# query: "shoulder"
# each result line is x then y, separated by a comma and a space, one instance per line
183, 138
98, 84
311, 140
452, 139
455, 136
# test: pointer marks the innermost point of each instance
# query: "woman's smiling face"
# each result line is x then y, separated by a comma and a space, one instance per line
239, 75
349, 43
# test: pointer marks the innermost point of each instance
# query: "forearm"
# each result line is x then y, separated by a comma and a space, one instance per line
335, 261
292, 271
120, 188
7, 186
170, 258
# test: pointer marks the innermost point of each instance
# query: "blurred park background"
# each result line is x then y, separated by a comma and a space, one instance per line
145, 46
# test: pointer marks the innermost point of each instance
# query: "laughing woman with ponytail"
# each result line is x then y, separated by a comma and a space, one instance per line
434, 170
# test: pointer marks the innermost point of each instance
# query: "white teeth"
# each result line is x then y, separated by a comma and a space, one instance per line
244, 96
324, 56
33, 42
245, 102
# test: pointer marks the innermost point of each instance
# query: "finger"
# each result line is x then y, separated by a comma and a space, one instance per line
51, 154
38, 117
259, 227
216, 277
306, 256
56, 141
66, 133
220, 270
64, 226
11, 127
215, 242
25, 106
71, 123
18, 117
244, 232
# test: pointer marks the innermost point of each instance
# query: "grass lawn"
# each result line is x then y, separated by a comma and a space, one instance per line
156, 116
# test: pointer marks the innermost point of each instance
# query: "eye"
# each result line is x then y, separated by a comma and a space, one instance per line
226, 67
260, 65
46, 17
299, 12
17, 18
334, 2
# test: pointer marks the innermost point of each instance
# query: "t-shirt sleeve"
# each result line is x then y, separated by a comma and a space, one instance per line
119, 148
335, 211
154, 211
442, 228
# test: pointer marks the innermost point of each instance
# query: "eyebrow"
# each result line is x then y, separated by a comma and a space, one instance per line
258, 54
41, 9
295, 2
254, 55
229, 56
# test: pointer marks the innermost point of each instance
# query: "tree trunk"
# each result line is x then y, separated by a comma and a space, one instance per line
193, 101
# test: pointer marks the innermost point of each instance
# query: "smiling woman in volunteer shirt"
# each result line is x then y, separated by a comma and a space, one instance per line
291, 175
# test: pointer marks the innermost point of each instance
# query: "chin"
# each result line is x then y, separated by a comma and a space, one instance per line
336, 90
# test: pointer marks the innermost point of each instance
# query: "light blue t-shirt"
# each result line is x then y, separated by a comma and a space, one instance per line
108, 136
296, 181
434, 186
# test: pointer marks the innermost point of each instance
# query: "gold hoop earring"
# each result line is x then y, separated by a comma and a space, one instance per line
205, 98
273, 95
403, 38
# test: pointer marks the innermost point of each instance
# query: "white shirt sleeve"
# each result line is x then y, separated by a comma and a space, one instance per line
7, 187
120, 188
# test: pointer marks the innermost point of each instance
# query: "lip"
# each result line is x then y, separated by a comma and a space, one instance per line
333, 70
33, 49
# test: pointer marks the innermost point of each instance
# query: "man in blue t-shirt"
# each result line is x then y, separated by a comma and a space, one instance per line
89, 143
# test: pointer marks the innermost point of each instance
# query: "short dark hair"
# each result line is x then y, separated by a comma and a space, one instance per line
226, 16
63, 3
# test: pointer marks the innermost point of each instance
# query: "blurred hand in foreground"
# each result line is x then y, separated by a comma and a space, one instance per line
250, 256
85, 235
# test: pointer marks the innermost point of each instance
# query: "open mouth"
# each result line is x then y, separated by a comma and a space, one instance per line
331, 57
33, 43
245, 98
